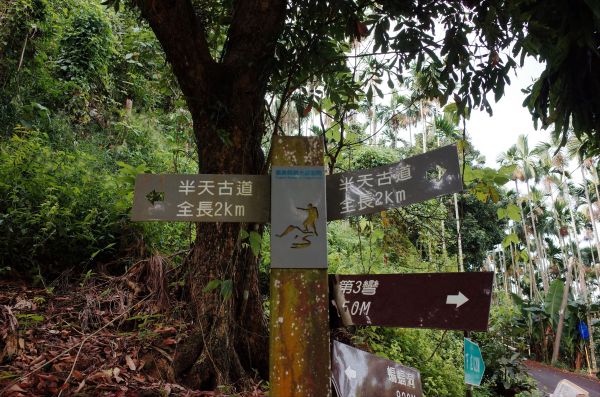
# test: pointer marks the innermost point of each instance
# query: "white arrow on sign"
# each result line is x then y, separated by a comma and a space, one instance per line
458, 299
350, 373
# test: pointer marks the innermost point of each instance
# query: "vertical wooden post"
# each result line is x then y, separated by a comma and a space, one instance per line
299, 356
468, 388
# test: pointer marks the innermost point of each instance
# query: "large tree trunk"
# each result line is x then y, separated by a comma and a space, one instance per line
596, 238
230, 338
226, 100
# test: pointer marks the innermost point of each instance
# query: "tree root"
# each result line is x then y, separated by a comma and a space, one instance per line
206, 362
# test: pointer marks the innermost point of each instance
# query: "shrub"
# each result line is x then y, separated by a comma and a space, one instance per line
505, 373
58, 209
438, 360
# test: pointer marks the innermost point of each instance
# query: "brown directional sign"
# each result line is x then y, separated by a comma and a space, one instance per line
201, 198
412, 180
360, 374
454, 301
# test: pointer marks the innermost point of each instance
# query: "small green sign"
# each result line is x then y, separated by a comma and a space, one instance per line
474, 366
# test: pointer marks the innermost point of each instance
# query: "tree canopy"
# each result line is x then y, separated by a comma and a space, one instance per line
465, 49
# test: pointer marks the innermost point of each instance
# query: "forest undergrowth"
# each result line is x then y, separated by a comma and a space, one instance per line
97, 335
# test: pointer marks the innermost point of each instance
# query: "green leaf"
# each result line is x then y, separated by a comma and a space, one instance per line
243, 234
517, 300
507, 170
370, 94
501, 212
501, 180
102, 249
116, 4
511, 238
30, 317
226, 289
524, 256
379, 92
363, 224
255, 242
514, 212
481, 196
212, 284
333, 133
378, 234
494, 194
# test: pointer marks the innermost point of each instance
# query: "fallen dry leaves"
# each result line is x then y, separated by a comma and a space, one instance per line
97, 340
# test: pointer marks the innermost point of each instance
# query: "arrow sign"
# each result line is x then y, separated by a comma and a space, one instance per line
458, 299
412, 180
360, 374
454, 301
474, 365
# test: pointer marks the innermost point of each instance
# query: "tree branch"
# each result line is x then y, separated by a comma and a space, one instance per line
183, 38
253, 32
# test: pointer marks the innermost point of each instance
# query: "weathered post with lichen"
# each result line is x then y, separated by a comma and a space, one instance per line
299, 324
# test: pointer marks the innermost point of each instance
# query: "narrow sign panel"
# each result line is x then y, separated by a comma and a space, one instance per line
201, 198
474, 365
360, 374
453, 301
410, 181
299, 221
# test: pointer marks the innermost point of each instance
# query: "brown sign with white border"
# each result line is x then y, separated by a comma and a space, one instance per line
453, 301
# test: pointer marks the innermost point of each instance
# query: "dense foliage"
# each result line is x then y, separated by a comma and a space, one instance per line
71, 145
59, 208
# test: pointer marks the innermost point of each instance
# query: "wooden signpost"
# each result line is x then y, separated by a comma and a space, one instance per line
299, 323
298, 200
